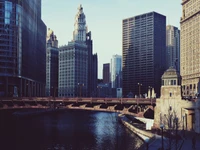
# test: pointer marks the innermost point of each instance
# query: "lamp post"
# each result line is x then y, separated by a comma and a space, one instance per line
176, 133
162, 126
139, 84
183, 126
80, 88
27, 90
99, 87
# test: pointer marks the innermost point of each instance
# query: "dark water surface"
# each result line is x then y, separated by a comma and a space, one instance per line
67, 130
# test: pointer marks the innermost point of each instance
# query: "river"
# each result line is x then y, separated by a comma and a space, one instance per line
66, 130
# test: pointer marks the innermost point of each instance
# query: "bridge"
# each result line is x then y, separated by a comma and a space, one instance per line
132, 106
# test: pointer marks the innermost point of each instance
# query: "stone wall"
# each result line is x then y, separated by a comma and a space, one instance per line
179, 108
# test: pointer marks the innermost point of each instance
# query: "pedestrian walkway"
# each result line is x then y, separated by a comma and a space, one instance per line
187, 144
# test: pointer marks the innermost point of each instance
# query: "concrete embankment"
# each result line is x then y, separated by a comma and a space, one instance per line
147, 137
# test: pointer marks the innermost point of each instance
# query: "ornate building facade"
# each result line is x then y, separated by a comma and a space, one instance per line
51, 64
190, 48
77, 64
171, 110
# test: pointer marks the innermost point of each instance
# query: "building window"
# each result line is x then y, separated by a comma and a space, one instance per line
171, 82
170, 94
174, 82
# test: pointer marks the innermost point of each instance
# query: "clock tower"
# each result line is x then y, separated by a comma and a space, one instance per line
80, 28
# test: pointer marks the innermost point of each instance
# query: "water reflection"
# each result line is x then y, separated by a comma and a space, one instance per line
68, 130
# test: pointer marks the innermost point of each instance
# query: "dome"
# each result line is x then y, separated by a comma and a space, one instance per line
170, 73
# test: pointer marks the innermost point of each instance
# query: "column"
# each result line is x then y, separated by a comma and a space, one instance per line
20, 94
40, 89
37, 90
24, 91
6, 87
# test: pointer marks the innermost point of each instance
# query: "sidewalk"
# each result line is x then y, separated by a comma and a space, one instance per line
187, 144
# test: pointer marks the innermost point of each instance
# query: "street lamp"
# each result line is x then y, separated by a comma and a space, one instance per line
176, 133
162, 126
80, 88
183, 126
139, 84
99, 87
27, 90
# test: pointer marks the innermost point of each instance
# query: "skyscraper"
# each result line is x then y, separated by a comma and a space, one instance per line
116, 71
173, 47
77, 64
22, 48
144, 45
92, 65
190, 48
106, 73
51, 64
94, 75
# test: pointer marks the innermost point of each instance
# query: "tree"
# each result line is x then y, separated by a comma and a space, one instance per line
171, 125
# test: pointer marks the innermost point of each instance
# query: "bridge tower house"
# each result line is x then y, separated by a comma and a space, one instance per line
170, 107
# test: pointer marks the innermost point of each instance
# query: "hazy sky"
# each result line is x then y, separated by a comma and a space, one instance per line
104, 20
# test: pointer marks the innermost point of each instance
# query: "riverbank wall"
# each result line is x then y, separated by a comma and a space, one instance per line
147, 137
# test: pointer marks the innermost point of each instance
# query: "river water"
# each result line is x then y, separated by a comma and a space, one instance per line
66, 130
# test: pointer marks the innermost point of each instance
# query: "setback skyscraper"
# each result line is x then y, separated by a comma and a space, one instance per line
173, 47
144, 46
77, 64
190, 47
22, 48
51, 64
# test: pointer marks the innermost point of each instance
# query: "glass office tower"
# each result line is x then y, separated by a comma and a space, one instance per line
116, 71
22, 48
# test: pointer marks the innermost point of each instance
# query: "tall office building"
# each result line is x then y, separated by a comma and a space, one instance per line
173, 47
22, 48
92, 65
190, 48
77, 64
94, 75
106, 73
116, 71
144, 46
51, 64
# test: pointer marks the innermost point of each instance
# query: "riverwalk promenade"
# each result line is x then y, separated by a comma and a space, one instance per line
187, 144
154, 141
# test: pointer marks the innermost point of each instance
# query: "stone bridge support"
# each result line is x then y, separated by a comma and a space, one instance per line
83, 106
112, 107
97, 107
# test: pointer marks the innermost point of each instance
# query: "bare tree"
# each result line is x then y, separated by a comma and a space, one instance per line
171, 124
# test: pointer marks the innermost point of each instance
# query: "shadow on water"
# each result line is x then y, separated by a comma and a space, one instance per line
69, 130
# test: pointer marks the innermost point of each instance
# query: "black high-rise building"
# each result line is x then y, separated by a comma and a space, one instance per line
94, 74
106, 73
144, 45
22, 48
89, 48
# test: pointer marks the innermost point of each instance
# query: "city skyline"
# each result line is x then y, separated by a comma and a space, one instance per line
104, 24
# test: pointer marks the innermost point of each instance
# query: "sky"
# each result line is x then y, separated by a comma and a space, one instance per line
104, 20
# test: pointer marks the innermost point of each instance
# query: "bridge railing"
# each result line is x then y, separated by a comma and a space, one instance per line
84, 99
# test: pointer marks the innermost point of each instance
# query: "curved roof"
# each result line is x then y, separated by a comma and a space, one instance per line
170, 73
